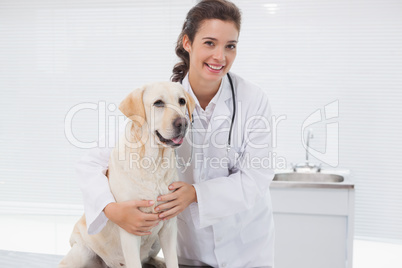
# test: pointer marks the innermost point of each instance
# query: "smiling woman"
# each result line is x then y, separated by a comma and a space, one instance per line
210, 57
208, 199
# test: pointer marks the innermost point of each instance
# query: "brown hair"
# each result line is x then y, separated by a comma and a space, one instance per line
205, 9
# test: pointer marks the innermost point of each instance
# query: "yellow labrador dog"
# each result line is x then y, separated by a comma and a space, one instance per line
141, 167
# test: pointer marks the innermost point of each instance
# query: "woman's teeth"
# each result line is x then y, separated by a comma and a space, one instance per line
215, 67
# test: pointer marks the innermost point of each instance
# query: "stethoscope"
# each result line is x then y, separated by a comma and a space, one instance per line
228, 144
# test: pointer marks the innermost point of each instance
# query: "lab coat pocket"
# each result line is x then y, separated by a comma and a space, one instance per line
233, 157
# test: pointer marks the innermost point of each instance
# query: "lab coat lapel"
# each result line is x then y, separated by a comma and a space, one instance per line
221, 116
220, 120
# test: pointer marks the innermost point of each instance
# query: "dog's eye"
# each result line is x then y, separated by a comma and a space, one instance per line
182, 101
159, 103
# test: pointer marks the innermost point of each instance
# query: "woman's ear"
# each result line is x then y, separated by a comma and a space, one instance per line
186, 43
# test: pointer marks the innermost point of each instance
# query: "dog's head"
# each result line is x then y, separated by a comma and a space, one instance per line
162, 106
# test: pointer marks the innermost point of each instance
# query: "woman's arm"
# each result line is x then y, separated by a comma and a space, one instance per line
91, 173
99, 203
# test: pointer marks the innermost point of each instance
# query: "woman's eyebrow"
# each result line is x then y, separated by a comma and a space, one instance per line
214, 39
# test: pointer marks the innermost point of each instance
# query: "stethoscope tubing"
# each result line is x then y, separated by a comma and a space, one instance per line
233, 115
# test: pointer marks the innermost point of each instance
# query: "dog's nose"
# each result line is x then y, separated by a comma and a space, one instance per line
180, 123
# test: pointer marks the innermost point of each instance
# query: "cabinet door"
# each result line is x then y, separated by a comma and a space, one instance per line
310, 241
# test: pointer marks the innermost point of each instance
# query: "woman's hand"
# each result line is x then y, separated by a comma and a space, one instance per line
184, 194
128, 216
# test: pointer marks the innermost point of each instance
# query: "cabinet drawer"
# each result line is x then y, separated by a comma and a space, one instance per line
310, 201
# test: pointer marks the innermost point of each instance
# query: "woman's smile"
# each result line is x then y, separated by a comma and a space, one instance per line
214, 68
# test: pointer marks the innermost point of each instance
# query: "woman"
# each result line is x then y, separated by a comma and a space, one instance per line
222, 200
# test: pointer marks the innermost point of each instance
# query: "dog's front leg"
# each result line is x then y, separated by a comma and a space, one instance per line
130, 245
168, 241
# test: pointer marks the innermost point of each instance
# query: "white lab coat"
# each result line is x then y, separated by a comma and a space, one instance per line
232, 223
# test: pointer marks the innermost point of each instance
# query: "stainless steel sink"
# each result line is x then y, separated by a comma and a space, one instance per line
308, 177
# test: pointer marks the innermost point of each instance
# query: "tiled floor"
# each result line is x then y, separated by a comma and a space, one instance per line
50, 235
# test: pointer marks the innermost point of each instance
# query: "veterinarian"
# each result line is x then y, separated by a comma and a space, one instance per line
222, 198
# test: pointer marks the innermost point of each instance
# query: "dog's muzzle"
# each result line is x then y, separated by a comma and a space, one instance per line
180, 125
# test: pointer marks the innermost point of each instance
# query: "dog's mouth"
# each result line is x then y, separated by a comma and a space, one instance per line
176, 141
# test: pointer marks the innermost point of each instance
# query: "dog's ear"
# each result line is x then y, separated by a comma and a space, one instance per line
190, 104
133, 106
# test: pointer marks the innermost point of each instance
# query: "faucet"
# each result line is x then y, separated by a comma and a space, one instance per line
309, 136
307, 166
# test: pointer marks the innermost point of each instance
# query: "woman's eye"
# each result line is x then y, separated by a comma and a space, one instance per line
231, 46
182, 101
159, 103
209, 43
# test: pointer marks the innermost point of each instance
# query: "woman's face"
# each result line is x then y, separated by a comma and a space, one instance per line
213, 50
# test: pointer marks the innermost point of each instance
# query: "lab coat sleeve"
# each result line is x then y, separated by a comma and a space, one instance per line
91, 173
222, 197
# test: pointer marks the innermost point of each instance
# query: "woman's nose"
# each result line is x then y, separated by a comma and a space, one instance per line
219, 54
